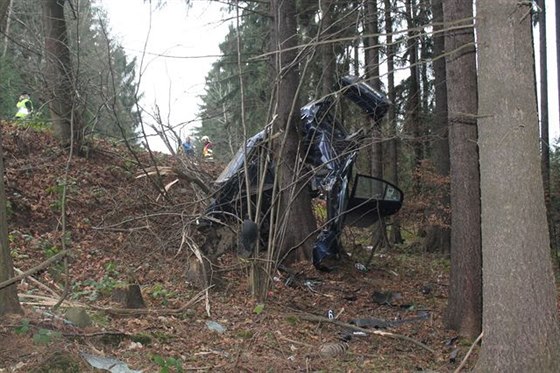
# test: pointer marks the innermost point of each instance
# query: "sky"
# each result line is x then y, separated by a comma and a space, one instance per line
194, 33
188, 36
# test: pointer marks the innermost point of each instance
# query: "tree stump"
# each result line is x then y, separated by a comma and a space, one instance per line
129, 297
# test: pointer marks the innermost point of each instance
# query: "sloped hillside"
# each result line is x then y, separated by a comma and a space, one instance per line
120, 230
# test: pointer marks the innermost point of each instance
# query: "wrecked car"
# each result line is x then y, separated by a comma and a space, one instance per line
330, 153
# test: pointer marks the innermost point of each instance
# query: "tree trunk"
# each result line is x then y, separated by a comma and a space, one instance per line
9, 302
438, 237
557, 18
520, 316
392, 148
4, 9
545, 138
59, 75
328, 58
5, 20
296, 220
413, 100
371, 43
464, 309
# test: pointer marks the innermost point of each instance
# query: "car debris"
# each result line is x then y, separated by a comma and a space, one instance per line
331, 151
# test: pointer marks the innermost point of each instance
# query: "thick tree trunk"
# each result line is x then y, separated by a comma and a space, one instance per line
465, 303
59, 75
295, 219
521, 331
8, 296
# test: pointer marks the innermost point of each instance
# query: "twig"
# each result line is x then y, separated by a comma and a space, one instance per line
38, 283
310, 317
36, 269
464, 361
97, 334
296, 342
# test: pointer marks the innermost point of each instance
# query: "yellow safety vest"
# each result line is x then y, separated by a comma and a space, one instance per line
22, 108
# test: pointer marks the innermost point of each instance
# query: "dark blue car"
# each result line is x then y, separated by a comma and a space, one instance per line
330, 155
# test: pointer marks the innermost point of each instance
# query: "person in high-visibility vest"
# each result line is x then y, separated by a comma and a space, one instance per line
24, 106
207, 152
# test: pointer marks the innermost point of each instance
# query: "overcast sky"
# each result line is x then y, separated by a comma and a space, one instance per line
174, 84
177, 47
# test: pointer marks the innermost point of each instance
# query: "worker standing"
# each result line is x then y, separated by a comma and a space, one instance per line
24, 106
207, 145
188, 147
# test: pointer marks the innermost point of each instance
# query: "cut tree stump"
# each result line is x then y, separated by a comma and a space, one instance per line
129, 297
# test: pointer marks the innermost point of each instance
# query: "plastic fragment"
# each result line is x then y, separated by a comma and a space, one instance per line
216, 327
108, 363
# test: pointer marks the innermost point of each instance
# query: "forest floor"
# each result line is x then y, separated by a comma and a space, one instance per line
119, 230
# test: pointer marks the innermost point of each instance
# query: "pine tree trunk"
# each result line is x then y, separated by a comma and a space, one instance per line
438, 237
392, 148
520, 316
413, 99
464, 309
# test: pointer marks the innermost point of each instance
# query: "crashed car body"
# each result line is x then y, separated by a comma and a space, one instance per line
330, 153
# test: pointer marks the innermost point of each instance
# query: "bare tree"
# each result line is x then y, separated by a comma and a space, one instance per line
520, 315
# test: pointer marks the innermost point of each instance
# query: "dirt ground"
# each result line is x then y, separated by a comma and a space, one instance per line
119, 230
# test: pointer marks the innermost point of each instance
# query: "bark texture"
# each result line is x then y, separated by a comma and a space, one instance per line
521, 332
465, 303
295, 218
60, 83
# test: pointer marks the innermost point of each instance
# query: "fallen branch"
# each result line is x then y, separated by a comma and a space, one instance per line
310, 317
98, 334
178, 173
464, 361
133, 311
36, 269
41, 300
38, 283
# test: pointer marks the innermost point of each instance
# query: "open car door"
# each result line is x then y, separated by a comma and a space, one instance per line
371, 199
